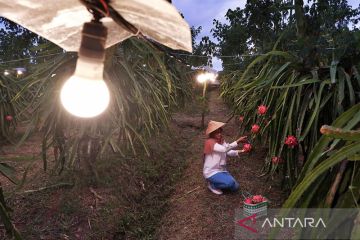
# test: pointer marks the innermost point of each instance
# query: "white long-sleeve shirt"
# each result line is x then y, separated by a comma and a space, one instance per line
215, 161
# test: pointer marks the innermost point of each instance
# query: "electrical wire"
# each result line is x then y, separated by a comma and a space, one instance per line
232, 56
105, 7
219, 56
108, 11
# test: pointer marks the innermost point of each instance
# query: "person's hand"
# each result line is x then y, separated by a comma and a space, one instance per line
241, 139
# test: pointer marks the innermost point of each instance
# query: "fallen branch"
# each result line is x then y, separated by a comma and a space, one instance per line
142, 185
89, 223
187, 193
95, 193
50, 187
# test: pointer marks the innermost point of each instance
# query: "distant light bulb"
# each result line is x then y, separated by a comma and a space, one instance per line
211, 77
201, 78
85, 98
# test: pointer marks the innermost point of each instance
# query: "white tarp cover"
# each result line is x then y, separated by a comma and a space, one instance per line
60, 21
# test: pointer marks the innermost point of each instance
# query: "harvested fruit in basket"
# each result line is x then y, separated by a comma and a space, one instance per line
248, 201
255, 199
258, 199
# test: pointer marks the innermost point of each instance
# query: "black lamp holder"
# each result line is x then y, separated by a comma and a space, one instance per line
93, 40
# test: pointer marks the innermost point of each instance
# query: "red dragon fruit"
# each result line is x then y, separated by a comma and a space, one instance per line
258, 199
255, 199
255, 128
8, 118
262, 109
291, 141
276, 160
247, 147
248, 201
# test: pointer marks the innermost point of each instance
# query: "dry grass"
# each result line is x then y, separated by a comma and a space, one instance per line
137, 197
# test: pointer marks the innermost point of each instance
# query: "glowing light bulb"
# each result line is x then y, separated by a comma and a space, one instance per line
85, 98
85, 94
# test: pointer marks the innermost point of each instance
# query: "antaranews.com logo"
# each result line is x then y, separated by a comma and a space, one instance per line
314, 223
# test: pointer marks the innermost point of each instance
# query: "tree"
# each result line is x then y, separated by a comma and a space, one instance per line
320, 27
252, 30
19, 43
201, 51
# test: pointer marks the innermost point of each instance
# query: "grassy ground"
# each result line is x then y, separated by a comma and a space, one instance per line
126, 203
161, 196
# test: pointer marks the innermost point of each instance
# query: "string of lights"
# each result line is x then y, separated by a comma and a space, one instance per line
218, 56
30, 58
171, 55
232, 56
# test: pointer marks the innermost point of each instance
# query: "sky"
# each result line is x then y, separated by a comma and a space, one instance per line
202, 12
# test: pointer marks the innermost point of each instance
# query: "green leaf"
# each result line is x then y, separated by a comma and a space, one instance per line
357, 75
5, 218
301, 83
9, 172
262, 58
315, 112
355, 157
333, 67
333, 132
350, 88
318, 149
355, 234
340, 155
341, 93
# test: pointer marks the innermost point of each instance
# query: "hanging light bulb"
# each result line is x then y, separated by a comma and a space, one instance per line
86, 94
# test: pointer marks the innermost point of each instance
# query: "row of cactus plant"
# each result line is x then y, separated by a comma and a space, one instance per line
287, 107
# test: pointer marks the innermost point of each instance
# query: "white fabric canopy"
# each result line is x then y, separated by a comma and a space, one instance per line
60, 21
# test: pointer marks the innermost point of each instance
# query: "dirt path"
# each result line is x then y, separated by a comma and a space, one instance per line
195, 212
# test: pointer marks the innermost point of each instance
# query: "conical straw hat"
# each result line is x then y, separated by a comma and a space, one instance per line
212, 126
